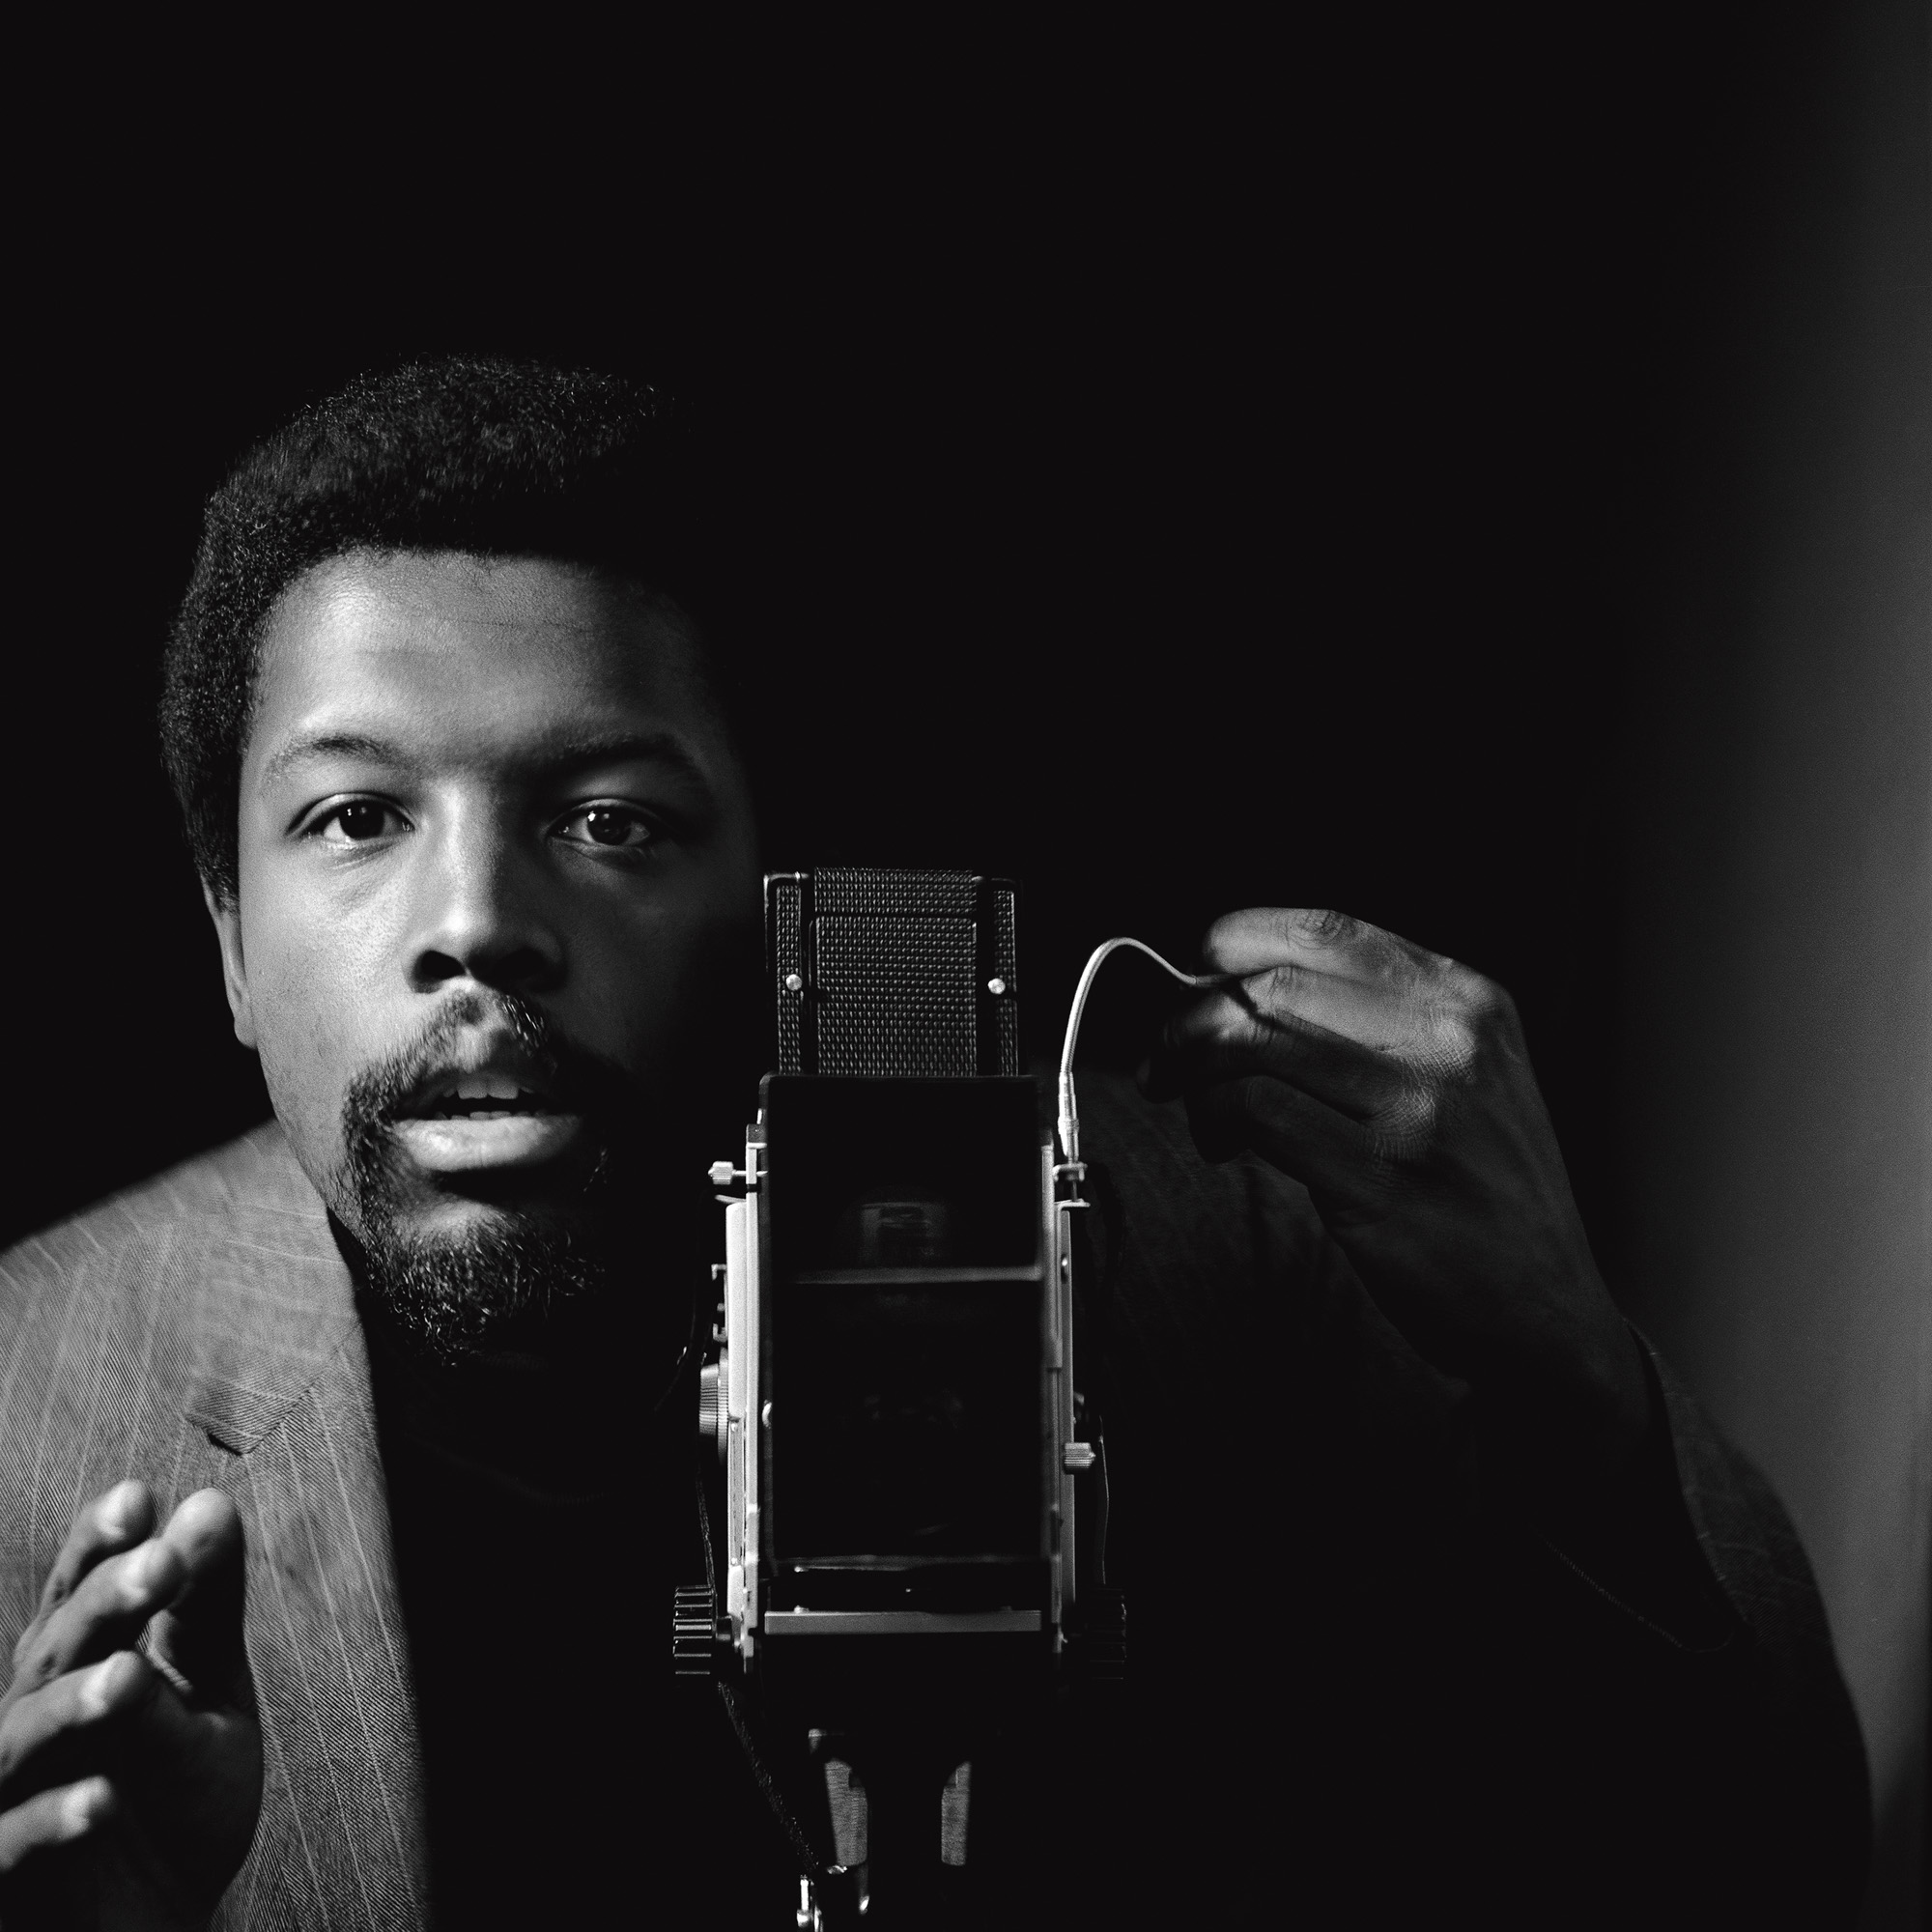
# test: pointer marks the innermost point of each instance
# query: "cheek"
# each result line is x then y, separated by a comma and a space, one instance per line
655, 986
624, 987
311, 1005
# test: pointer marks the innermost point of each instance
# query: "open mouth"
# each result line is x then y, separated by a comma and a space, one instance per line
478, 1096
504, 1113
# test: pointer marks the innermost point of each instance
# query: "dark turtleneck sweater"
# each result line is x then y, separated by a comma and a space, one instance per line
543, 1511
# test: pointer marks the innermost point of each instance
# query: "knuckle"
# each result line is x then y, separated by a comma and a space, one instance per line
137, 1679
1453, 1043
1279, 984
1465, 1012
111, 1518
27, 1728
1225, 1024
1323, 924
1243, 1024
1264, 1035
1478, 995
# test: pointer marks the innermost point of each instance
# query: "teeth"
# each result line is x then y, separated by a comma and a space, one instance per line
487, 1087
481, 1096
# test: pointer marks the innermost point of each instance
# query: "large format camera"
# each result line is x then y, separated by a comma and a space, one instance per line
903, 1486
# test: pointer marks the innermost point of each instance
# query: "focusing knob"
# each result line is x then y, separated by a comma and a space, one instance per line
711, 1403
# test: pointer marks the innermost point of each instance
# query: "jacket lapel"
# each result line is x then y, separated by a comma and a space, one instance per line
279, 1399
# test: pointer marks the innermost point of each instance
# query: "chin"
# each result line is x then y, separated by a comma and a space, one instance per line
463, 1218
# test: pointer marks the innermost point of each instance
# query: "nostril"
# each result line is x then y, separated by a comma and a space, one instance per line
527, 970
432, 969
522, 969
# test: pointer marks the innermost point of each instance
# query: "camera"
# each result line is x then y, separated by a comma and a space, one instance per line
903, 1479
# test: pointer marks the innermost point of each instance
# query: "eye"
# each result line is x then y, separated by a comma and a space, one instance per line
356, 822
619, 828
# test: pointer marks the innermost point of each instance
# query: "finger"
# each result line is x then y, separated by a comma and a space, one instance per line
64, 1714
1324, 941
106, 1613
53, 1818
1228, 1034
116, 1519
200, 1634
1377, 1016
1309, 1141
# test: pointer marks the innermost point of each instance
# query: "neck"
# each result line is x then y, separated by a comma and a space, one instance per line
568, 1403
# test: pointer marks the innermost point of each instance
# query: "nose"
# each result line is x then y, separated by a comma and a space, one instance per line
480, 912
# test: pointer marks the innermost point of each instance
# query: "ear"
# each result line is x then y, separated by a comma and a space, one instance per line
227, 918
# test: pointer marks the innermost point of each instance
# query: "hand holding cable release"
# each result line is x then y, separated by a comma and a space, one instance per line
1396, 1085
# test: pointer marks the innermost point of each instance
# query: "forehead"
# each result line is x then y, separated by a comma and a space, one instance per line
456, 655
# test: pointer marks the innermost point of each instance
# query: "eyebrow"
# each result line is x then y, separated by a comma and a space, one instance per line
661, 747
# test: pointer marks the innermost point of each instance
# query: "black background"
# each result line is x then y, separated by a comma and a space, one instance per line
1184, 474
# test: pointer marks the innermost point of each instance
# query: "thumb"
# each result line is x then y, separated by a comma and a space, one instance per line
199, 1635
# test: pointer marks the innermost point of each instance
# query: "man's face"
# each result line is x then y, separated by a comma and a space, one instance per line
495, 855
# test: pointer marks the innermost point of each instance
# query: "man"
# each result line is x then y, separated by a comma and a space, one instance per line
341, 1490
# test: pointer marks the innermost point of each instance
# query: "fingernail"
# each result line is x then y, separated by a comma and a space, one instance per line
85, 1803
144, 1567
117, 1507
93, 1689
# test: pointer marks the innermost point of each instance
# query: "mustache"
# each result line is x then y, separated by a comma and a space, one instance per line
580, 1080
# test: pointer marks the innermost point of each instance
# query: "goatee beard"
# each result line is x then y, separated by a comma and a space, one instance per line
499, 1283
457, 1297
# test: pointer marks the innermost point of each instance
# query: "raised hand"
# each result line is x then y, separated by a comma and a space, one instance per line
129, 1783
1396, 1085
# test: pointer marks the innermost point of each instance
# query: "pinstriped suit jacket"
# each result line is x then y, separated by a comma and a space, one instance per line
200, 1330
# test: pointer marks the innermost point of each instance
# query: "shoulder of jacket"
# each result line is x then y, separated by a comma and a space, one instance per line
253, 1179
